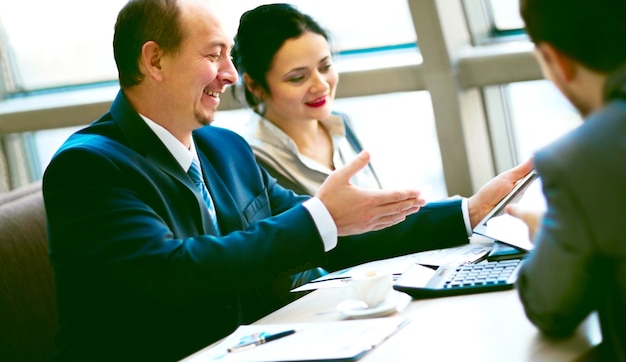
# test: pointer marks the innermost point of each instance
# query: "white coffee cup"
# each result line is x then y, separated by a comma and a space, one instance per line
371, 287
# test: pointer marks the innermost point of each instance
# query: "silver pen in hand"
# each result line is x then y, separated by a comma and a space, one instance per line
247, 343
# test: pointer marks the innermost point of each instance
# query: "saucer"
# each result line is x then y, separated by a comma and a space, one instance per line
395, 302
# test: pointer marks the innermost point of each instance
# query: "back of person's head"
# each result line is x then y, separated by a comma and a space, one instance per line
593, 32
261, 33
140, 21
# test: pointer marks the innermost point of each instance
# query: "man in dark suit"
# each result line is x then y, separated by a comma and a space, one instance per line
579, 262
143, 269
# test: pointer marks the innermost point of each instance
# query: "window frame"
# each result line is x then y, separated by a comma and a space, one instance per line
455, 70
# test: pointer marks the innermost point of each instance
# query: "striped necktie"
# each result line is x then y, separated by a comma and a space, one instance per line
194, 173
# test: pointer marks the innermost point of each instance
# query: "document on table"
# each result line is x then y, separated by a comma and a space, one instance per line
458, 255
322, 341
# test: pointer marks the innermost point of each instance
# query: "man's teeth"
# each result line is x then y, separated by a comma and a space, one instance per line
211, 93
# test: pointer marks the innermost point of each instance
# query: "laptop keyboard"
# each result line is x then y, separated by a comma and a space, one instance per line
484, 274
465, 279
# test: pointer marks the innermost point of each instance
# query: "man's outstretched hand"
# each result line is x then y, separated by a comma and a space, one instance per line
356, 210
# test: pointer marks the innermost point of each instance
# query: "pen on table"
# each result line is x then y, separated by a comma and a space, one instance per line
262, 339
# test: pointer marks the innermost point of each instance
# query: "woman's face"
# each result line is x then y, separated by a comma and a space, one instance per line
301, 80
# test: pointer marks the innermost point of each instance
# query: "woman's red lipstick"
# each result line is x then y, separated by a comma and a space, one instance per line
317, 103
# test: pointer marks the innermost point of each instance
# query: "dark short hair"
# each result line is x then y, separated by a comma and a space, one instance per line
261, 33
138, 22
593, 32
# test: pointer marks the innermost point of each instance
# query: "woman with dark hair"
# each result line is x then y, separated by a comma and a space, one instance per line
285, 61
286, 64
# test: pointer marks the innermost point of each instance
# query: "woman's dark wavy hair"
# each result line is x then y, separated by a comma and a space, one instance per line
262, 31
591, 31
138, 22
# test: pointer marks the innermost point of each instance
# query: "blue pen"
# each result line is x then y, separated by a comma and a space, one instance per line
253, 341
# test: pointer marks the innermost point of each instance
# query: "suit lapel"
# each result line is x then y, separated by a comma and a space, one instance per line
144, 141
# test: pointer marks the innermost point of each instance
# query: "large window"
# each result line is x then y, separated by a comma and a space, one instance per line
58, 43
419, 109
539, 114
68, 42
505, 15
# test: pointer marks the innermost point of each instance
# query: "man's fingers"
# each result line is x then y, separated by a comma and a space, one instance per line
395, 197
401, 206
346, 172
518, 172
519, 212
393, 213
387, 214
513, 210
392, 219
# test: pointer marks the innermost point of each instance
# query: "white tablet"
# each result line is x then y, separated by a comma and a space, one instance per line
498, 225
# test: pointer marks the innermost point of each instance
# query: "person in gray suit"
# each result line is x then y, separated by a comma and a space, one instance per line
578, 264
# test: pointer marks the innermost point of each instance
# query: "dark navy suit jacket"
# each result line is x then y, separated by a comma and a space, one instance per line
139, 272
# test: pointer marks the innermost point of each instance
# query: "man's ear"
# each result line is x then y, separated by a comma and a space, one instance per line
150, 61
253, 86
560, 64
